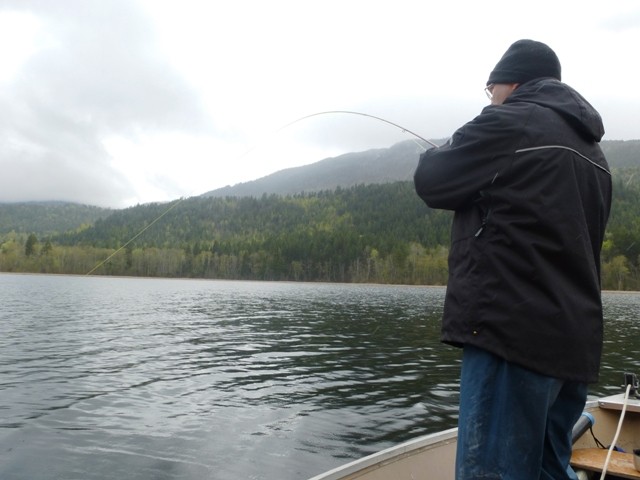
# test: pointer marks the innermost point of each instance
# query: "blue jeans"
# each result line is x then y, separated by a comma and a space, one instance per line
514, 423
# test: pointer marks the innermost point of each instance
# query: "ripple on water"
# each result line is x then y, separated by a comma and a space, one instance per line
167, 379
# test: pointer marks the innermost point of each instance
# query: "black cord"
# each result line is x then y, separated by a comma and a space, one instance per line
598, 442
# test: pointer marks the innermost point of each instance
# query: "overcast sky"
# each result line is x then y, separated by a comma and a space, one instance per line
118, 102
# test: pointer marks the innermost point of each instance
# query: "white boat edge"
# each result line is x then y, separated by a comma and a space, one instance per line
393, 454
367, 466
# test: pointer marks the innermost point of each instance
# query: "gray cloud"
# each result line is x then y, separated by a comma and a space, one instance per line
99, 75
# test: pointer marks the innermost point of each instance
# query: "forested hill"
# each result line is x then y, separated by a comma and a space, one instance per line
366, 233
379, 166
48, 218
383, 165
375, 233
379, 232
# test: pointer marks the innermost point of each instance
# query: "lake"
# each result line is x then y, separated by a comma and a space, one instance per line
190, 379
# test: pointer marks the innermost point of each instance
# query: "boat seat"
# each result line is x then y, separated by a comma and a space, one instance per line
616, 402
620, 464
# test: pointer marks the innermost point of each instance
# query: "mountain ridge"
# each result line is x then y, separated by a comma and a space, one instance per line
374, 166
380, 165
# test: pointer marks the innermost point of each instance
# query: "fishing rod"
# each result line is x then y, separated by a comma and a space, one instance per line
350, 112
328, 112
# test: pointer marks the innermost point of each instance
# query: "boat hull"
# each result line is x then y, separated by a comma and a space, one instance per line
432, 457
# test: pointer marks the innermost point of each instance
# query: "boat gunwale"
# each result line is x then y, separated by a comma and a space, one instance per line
411, 447
391, 455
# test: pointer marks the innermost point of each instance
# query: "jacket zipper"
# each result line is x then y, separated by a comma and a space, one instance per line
485, 217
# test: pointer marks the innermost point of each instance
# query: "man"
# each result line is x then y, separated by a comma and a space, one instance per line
531, 191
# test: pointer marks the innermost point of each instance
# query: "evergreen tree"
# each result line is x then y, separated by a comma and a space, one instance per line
30, 245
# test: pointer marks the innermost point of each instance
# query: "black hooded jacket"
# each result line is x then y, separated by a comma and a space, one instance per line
531, 191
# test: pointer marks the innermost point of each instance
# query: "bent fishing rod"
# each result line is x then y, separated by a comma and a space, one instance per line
350, 112
328, 112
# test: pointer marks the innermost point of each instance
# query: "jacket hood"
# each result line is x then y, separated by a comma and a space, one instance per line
567, 102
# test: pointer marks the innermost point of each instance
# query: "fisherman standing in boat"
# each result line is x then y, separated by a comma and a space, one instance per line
531, 191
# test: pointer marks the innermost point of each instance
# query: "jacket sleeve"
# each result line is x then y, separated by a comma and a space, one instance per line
451, 176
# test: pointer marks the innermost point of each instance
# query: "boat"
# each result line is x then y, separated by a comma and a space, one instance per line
612, 420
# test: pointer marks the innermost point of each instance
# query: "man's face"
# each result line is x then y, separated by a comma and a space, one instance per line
500, 92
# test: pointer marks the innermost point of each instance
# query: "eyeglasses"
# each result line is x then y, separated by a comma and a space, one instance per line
489, 90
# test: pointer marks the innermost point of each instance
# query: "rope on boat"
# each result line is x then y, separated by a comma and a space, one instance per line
615, 438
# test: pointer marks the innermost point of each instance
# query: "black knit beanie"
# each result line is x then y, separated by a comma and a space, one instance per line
524, 61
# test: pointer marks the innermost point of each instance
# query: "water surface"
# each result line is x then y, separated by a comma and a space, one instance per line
184, 379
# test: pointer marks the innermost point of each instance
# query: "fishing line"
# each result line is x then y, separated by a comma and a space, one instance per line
175, 204
329, 112
350, 112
